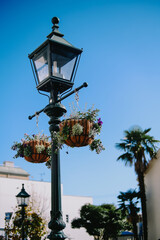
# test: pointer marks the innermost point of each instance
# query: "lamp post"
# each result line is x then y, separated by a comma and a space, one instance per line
22, 201
54, 64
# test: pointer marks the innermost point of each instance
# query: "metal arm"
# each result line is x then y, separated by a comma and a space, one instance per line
59, 100
36, 113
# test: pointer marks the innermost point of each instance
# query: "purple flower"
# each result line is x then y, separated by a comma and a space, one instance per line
100, 122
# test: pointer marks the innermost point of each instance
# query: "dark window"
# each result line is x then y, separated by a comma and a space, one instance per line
67, 218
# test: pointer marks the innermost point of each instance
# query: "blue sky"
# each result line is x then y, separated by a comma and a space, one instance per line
120, 62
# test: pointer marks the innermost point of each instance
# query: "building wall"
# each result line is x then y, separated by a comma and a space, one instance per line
70, 206
8, 170
41, 198
152, 183
13, 176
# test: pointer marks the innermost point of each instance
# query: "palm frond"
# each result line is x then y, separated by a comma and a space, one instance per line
127, 158
146, 130
121, 146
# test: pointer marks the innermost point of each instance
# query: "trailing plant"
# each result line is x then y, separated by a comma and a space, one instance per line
97, 146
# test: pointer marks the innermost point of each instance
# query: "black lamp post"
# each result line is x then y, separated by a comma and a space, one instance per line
22, 201
54, 64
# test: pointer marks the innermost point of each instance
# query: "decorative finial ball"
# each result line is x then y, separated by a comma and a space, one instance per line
55, 20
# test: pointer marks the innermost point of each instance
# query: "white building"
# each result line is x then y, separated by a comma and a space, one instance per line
11, 179
152, 184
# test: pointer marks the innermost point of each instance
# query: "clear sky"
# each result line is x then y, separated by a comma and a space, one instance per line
120, 62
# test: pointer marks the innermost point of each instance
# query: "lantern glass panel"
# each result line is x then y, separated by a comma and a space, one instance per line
22, 201
41, 65
63, 64
27, 200
19, 200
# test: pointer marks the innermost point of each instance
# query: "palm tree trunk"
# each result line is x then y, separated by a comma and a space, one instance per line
143, 204
135, 230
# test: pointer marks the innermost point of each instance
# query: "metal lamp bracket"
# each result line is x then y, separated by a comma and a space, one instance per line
59, 100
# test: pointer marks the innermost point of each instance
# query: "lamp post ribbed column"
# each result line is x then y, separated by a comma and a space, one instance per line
56, 224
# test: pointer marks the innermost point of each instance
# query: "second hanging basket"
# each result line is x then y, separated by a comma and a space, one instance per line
37, 157
34, 148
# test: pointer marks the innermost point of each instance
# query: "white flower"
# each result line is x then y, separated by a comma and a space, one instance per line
93, 132
77, 129
40, 148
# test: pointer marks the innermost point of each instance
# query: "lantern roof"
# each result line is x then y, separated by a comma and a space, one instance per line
57, 38
56, 35
23, 193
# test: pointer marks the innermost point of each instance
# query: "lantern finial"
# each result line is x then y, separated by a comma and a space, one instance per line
55, 20
55, 31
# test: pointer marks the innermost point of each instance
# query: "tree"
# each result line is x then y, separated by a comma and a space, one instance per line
34, 225
139, 147
128, 204
102, 221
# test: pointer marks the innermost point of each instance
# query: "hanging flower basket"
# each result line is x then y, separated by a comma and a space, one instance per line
35, 148
78, 132
37, 157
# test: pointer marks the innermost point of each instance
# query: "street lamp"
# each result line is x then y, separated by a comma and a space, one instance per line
54, 64
22, 201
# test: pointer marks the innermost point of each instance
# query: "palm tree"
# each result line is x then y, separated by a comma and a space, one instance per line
138, 147
128, 204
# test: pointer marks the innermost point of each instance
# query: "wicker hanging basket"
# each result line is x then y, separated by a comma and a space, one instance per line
78, 140
37, 157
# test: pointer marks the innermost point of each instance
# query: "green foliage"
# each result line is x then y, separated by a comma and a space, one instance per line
34, 225
100, 221
139, 148
97, 146
127, 199
128, 204
90, 114
27, 150
65, 131
76, 113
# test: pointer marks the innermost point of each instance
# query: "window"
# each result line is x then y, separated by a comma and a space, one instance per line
67, 218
